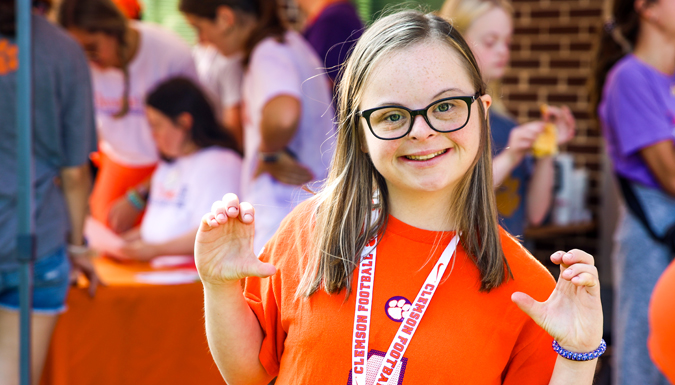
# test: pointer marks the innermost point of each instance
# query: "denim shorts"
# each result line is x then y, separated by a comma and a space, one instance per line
51, 281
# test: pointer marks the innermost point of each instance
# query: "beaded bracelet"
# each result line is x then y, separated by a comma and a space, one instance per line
135, 199
580, 356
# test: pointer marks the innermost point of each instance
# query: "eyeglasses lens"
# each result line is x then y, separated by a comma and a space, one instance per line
394, 122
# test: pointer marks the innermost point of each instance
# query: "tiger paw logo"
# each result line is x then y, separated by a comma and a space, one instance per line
9, 61
508, 199
397, 308
376, 359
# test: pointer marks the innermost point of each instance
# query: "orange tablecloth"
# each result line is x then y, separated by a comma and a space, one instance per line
131, 333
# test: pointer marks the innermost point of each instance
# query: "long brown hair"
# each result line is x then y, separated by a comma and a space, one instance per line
266, 13
100, 16
615, 40
345, 205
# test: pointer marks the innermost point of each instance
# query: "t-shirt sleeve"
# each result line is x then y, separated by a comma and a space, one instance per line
77, 110
636, 114
184, 65
273, 299
263, 297
532, 359
231, 77
273, 73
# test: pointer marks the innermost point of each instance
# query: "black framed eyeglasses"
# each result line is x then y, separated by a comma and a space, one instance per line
443, 115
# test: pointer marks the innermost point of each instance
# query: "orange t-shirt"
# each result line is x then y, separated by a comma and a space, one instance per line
465, 337
661, 318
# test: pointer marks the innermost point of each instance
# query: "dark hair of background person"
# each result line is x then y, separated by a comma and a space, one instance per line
100, 16
616, 39
179, 95
8, 18
266, 13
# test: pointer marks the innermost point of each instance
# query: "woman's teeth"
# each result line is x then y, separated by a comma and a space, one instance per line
425, 157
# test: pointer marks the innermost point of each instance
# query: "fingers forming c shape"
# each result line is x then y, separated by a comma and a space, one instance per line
581, 274
246, 212
577, 256
231, 203
209, 220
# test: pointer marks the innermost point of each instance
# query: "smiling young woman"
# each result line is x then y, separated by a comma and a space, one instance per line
353, 287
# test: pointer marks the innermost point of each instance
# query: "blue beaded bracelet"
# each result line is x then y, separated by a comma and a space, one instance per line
135, 199
580, 356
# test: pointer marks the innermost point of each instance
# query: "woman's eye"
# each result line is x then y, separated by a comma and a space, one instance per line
393, 117
443, 107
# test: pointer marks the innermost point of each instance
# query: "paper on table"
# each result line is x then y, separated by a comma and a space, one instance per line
172, 277
172, 261
101, 238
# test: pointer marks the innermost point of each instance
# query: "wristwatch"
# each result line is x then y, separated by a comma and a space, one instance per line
269, 157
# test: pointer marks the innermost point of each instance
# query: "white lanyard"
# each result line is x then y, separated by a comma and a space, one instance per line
364, 301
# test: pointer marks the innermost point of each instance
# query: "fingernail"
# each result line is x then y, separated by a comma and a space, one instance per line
232, 210
248, 217
221, 217
568, 255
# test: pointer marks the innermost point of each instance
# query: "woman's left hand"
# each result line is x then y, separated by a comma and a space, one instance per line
572, 315
138, 250
564, 120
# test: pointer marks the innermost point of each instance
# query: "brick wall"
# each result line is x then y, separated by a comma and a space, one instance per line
551, 60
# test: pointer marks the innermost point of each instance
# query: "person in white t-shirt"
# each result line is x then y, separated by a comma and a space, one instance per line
286, 102
199, 162
222, 77
128, 59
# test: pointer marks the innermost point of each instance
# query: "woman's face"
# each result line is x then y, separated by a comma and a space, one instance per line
489, 37
171, 137
425, 160
223, 32
101, 49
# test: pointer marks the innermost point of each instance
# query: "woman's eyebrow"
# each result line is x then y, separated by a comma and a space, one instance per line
451, 89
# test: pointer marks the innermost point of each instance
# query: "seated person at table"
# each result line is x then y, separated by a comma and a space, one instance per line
200, 162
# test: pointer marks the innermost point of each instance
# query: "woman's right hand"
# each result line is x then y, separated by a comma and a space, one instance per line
286, 170
521, 138
224, 244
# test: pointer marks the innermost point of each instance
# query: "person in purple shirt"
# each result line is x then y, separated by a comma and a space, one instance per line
332, 29
635, 101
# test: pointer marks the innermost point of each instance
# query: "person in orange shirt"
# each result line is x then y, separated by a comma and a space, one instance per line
397, 271
661, 317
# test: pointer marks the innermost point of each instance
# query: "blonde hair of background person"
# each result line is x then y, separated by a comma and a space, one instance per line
451, 190
462, 13
487, 26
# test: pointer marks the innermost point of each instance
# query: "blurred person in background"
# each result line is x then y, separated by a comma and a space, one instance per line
634, 98
332, 28
128, 58
200, 162
523, 183
63, 136
222, 78
661, 321
287, 111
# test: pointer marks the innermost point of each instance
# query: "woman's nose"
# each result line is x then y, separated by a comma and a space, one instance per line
421, 129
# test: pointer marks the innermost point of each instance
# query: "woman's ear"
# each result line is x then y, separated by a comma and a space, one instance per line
185, 121
487, 102
225, 18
